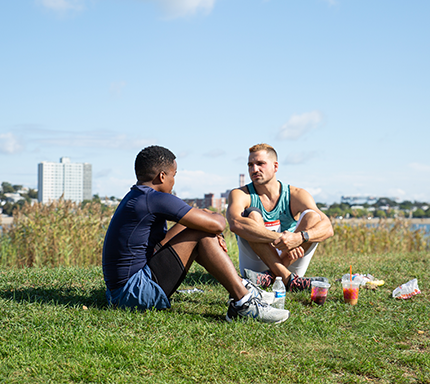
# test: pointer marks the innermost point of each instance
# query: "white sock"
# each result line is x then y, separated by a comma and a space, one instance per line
244, 299
244, 282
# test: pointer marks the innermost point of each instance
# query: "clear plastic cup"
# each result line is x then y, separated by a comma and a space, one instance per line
319, 292
350, 291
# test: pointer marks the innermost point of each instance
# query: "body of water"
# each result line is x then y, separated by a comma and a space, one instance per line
425, 227
414, 226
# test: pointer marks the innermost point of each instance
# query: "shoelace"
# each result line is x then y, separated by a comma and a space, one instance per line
264, 280
258, 302
299, 282
250, 286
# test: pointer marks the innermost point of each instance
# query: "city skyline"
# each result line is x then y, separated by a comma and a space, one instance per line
339, 88
222, 197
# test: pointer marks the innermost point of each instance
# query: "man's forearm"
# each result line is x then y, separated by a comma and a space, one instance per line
320, 231
252, 231
317, 233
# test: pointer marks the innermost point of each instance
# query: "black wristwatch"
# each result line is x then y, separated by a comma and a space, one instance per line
305, 236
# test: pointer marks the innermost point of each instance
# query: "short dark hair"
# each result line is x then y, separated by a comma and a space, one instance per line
150, 161
264, 147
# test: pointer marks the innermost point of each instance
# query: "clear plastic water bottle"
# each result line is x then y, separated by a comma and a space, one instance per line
279, 291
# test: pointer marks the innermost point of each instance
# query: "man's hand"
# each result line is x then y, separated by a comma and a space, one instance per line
222, 243
288, 241
293, 255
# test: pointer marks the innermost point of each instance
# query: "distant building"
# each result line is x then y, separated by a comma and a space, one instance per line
208, 201
226, 194
358, 200
218, 203
13, 197
72, 181
241, 180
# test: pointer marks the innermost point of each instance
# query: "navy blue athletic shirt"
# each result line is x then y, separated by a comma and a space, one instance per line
139, 223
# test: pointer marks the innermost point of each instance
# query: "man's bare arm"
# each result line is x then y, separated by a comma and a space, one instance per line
245, 227
300, 201
203, 220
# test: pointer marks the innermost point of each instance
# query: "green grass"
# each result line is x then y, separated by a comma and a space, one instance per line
55, 327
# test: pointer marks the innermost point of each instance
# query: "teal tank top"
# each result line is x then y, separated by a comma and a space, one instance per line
280, 215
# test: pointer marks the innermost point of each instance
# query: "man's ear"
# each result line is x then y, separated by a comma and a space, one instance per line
159, 179
276, 166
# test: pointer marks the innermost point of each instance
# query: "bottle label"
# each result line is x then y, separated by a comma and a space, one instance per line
279, 294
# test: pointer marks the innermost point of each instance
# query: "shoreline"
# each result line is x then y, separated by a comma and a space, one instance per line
377, 220
8, 220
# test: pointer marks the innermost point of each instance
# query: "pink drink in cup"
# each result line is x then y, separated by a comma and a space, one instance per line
319, 292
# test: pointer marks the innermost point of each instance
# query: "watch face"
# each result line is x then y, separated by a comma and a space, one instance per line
305, 236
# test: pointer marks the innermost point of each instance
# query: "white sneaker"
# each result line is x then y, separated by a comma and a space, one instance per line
257, 292
258, 310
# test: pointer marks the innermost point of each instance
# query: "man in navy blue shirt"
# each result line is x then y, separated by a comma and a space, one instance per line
144, 263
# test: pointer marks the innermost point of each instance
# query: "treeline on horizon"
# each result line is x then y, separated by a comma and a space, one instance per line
383, 208
29, 197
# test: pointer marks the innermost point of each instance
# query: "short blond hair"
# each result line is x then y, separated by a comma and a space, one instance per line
264, 147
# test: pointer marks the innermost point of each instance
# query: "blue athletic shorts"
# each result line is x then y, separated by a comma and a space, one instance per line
140, 292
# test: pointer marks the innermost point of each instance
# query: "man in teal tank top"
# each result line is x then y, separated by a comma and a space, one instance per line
278, 226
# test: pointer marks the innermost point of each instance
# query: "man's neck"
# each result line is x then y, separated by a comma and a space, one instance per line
149, 184
270, 190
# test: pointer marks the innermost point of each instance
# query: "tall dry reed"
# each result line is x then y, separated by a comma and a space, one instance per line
358, 236
60, 233
65, 233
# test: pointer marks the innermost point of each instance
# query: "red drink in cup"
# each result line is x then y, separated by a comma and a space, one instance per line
319, 292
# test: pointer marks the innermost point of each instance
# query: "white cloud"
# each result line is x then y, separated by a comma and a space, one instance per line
331, 2
191, 184
298, 125
215, 153
397, 193
314, 191
102, 173
62, 5
171, 8
116, 88
420, 167
38, 138
299, 158
112, 186
183, 154
10, 144
241, 160
181, 8
97, 140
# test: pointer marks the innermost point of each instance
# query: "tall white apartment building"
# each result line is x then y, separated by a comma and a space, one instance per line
73, 181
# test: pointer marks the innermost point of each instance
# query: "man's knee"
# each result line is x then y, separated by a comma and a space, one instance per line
253, 213
308, 219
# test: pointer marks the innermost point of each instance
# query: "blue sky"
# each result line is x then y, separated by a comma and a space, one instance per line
339, 87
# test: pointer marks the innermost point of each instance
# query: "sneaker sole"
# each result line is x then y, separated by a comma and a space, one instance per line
230, 319
282, 320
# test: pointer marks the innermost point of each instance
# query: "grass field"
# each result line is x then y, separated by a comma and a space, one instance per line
56, 328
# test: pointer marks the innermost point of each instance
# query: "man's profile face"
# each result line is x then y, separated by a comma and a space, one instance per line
262, 167
169, 178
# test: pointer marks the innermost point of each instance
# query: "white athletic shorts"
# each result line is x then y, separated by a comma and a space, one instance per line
248, 259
